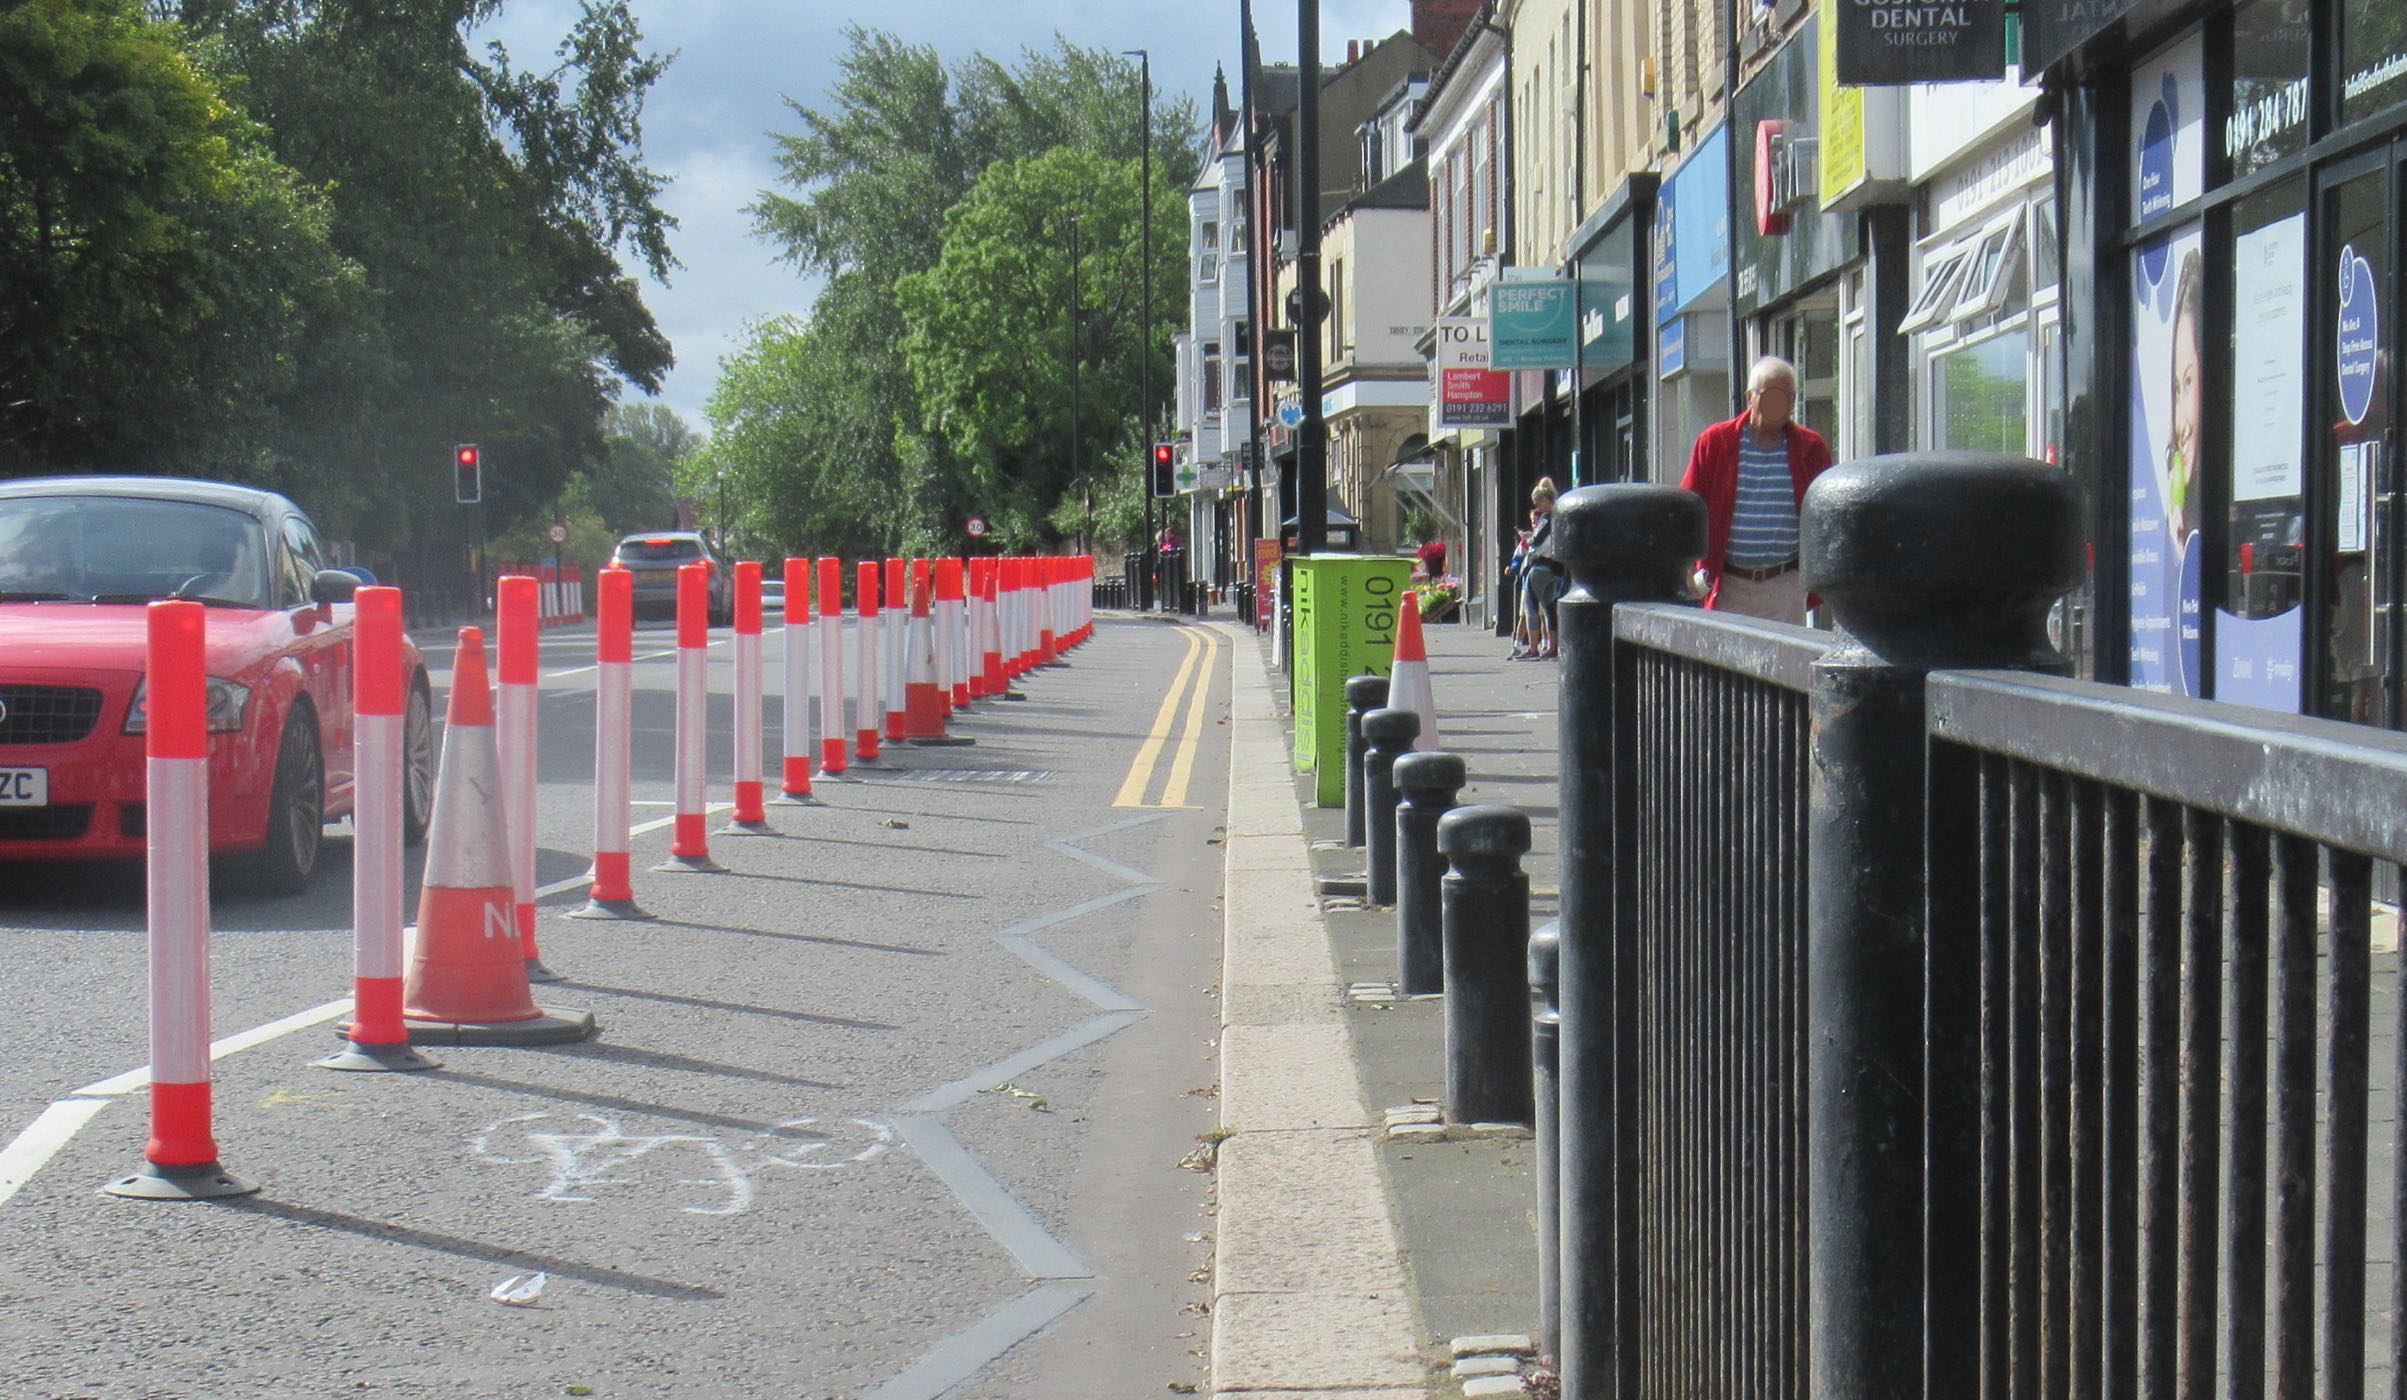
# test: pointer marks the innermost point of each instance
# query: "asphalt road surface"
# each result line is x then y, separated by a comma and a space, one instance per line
896, 1107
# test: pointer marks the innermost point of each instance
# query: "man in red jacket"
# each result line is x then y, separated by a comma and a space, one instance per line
1752, 472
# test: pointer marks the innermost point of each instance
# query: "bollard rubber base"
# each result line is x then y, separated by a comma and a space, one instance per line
626, 909
949, 741
788, 799
553, 1027
689, 865
375, 1059
747, 829
537, 972
153, 1182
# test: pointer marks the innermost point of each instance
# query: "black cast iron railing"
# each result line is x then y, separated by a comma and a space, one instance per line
2151, 951
1710, 982
1935, 1031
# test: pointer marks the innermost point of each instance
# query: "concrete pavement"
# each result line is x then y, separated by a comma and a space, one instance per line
1348, 1263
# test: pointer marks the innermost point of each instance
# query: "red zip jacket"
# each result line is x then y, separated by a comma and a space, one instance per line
1713, 474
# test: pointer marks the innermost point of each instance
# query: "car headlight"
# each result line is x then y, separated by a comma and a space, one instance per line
228, 704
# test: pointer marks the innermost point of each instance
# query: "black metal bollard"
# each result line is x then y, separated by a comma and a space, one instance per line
1623, 543
1930, 561
1487, 965
1545, 1053
1363, 695
1387, 735
1426, 786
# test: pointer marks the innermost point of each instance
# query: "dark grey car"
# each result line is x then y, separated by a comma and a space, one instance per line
654, 560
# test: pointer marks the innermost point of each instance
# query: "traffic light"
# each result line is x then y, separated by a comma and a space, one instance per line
468, 474
1165, 476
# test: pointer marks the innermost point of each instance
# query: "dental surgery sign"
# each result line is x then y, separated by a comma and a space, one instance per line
1886, 42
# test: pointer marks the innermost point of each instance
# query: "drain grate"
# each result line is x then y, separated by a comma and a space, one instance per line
974, 775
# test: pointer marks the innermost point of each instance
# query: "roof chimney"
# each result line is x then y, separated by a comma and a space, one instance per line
1353, 51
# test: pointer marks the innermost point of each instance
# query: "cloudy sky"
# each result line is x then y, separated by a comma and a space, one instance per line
710, 119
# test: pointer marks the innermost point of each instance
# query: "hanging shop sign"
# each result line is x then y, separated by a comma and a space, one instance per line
1889, 42
1471, 392
1531, 321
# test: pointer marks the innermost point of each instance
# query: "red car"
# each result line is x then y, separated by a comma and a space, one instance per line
80, 558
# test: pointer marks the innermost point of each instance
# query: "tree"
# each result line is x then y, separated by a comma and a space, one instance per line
159, 269
866, 181
632, 486
988, 337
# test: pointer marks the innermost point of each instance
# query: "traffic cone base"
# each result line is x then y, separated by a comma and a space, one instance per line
207, 1182
549, 1027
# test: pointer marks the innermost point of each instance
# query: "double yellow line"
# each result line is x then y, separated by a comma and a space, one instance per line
1202, 644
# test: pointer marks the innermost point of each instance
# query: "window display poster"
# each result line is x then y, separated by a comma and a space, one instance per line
2167, 412
2168, 128
2257, 640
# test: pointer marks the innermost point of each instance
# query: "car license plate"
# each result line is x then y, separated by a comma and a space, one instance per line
24, 787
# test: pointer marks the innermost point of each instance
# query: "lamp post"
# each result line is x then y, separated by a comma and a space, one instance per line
1075, 450
1312, 443
1145, 315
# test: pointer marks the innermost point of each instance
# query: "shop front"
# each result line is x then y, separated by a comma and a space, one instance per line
2235, 187
1609, 257
1690, 251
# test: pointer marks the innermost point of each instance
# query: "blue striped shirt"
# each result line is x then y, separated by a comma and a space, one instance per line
1763, 528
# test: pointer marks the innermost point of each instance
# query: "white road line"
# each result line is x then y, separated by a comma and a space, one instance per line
41, 1141
133, 1079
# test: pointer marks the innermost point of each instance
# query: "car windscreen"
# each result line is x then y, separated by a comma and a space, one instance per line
658, 551
130, 549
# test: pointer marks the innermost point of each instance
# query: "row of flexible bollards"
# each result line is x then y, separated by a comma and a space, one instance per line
466, 980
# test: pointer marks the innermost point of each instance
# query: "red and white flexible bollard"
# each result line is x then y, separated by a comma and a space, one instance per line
831, 668
613, 893
180, 1163
894, 629
974, 652
689, 848
517, 623
990, 623
794, 716
952, 636
869, 708
750, 819
377, 1039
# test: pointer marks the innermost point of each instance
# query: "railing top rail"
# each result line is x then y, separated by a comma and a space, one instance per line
1773, 652
2339, 784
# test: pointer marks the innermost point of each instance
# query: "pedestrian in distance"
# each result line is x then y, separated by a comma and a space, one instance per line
1752, 472
1541, 575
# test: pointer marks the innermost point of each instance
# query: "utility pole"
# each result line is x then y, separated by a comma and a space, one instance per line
1312, 445
1145, 321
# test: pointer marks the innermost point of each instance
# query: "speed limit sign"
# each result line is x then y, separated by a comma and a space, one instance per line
559, 534
976, 527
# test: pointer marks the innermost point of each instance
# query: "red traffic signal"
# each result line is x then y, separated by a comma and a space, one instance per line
1165, 478
468, 474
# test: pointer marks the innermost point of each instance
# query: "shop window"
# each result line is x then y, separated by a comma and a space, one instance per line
2046, 270
2373, 57
1980, 396
1944, 273
2271, 44
1993, 272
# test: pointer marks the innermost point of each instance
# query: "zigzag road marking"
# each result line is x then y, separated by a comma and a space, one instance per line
1067, 1279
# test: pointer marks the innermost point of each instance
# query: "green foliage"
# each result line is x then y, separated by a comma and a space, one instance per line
158, 269
930, 381
313, 243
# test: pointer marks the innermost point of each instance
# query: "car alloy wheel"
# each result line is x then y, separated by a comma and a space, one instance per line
417, 766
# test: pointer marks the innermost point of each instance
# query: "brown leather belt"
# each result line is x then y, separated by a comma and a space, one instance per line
1758, 575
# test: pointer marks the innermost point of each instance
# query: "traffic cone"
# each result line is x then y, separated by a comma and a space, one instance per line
1408, 679
467, 980
923, 696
